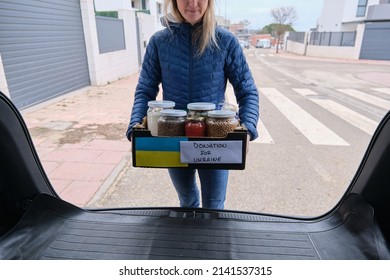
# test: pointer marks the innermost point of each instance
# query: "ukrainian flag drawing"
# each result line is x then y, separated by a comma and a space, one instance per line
158, 151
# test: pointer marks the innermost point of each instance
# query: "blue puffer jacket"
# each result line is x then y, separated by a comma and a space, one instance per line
186, 78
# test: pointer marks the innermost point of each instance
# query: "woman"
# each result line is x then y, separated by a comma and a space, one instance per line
193, 59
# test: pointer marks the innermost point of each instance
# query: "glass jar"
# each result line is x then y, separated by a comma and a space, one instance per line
171, 123
154, 112
200, 109
195, 127
220, 123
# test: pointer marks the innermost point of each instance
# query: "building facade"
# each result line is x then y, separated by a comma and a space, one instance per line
345, 15
354, 29
49, 50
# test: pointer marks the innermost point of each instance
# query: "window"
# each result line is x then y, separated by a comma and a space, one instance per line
361, 9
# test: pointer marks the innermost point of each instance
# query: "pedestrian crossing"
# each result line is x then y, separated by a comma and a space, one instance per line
261, 54
313, 128
377, 101
383, 90
316, 132
352, 117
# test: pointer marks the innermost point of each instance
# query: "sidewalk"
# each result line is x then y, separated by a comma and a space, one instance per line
80, 138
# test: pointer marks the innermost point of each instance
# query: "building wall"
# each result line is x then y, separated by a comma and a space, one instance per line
340, 15
350, 10
3, 80
146, 30
329, 51
331, 16
112, 5
108, 67
156, 14
295, 47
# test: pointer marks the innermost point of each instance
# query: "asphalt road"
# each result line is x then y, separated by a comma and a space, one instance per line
317, 118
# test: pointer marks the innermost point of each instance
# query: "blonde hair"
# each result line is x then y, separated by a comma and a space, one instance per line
204, 34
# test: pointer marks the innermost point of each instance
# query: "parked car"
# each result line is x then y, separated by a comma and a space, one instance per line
263, 43
244, 44
35, 223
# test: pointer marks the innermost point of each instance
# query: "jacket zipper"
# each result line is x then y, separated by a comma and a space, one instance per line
190, 70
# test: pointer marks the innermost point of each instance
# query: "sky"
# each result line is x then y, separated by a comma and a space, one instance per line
258, 12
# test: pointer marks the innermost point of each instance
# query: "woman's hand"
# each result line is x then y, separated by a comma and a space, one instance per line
143, 125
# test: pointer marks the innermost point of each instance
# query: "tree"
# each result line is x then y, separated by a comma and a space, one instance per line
271, 29
283, 16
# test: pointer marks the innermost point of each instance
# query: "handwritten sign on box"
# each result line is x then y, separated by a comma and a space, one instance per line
213, 152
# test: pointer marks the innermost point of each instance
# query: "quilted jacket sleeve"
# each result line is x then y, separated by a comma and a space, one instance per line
245, 89
147, 87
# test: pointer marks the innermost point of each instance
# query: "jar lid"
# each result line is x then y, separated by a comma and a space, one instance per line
173, 113
161, 104
221, 114
201, 106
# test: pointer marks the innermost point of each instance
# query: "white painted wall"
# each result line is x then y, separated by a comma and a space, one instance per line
112, 5
108, 67
329, 51
146, 30
115, 5
340, 15
154, 12
3, 80
350, 10
295, 47
331, 16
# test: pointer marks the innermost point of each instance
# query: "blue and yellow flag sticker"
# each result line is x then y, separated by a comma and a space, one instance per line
159, 151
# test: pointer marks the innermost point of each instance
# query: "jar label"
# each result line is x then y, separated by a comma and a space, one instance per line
211, 152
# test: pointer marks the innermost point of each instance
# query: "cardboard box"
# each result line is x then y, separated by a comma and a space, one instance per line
189, 152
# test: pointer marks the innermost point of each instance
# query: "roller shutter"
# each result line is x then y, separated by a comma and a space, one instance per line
376, 41
43, 49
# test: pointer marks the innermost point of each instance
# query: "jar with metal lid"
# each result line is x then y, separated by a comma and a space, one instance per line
154, 112
195, 127
172, 122
200, 109
220, 123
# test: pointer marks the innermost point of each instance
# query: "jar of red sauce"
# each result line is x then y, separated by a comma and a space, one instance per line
195, 127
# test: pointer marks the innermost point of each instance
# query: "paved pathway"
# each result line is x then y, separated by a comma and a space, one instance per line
80, 137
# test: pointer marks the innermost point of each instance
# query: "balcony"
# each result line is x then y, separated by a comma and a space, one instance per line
378, 12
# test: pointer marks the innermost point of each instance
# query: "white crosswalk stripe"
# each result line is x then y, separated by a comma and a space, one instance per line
316, 132
382, 90
352, 117
370, 99
264, 136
